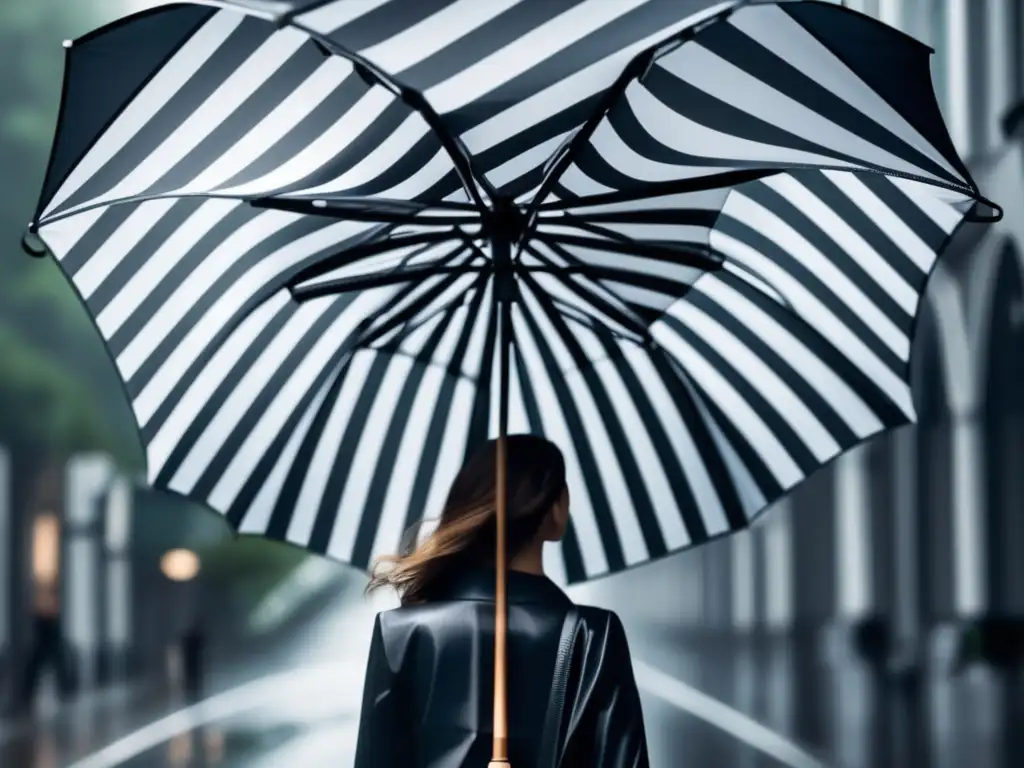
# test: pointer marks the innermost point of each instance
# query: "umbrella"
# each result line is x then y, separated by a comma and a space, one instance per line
332, 245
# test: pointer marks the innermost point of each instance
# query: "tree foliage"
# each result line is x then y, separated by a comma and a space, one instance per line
42, 408
256, 563
58, 389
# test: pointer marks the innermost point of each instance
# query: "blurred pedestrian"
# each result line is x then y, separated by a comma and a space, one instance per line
49, 651
193, 648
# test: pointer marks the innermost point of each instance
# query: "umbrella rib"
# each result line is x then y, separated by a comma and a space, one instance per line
380, 280
406, 314
664, 285
452, 367
365, 250
624, 317
458, 356
558, 321
730, 178
364, 211
370, 335
636, 69
686, 258
661, 284
288, 17
373, 74
65, 86
146, 197
741, 270
257, 202
425, 360
575, 315
361, 203
597, 222
617, 237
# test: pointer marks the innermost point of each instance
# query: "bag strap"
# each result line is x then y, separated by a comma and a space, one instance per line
549, 743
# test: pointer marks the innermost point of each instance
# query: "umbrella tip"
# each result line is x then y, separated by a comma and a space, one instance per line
68, 43
31, 243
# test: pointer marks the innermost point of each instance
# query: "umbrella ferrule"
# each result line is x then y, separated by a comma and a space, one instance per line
504, 274
504, 224
504, 285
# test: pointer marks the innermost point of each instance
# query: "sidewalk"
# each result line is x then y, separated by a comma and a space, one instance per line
50, 740
319, 624
91, 722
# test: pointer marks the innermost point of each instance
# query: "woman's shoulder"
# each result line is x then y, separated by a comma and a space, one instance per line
408, 615
407, 619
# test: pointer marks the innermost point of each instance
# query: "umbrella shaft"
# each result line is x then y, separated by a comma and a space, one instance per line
499, 753
500, 746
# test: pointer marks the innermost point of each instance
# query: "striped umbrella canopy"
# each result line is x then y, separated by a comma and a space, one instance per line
332, 246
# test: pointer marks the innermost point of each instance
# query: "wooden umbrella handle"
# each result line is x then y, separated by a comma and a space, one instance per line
504, 295
499, 750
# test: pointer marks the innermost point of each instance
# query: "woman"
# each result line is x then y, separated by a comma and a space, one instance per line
428, 699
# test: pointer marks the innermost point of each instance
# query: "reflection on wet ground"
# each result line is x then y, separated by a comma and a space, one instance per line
232, 745
842, 714
845, 713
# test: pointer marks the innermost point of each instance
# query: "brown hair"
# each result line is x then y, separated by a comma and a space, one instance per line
465, 534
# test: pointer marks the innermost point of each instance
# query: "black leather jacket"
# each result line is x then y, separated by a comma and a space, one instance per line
427, 701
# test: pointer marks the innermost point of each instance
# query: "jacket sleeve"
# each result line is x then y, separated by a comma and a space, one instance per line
380, 743
619, 739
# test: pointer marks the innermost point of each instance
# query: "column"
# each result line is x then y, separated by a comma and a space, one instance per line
868, 7
814, 538
7, 580
1016, 26
812, 507
716, 585
969, 518
743, 586
777, 561
1002, 350
895, 13
976, 88
925, 20
853, 555
958, 74
881, 531
87, 479
689, 584
963, 484
1012, 504
910, 526
906, 520
1000, 49
118, 605
891, 12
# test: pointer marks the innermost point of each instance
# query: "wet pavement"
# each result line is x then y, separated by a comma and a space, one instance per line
843, 714
706, 704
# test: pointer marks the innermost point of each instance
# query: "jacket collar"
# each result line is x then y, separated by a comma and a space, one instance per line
479, 584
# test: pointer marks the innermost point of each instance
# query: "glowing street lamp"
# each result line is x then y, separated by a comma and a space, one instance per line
180, 565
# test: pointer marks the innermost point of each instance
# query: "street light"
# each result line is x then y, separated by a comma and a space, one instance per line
180, 565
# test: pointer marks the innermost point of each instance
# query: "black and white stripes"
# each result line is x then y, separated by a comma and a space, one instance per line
280, 215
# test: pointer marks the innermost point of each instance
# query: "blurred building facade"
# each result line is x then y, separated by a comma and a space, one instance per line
66, 586
920, 530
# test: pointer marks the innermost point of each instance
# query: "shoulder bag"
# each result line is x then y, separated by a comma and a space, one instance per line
550, 746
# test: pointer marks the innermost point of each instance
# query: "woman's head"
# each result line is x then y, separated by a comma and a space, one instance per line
538, 510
